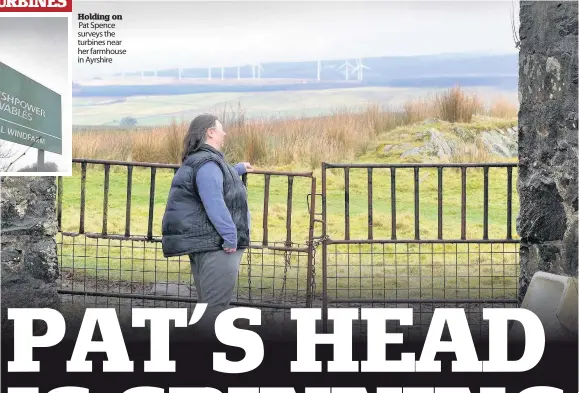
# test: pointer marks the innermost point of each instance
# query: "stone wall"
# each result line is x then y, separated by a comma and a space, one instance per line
547, 181
29, 265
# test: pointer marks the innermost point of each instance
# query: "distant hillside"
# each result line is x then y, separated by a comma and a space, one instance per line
380, 68
387, 69
499, 71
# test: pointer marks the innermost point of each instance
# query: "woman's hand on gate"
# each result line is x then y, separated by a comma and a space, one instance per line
248, 167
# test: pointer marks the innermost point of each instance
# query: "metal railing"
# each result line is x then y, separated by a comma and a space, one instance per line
116, 259
391, 235
413, 261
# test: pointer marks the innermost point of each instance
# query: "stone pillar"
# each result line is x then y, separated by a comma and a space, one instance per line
28, 257
547, 181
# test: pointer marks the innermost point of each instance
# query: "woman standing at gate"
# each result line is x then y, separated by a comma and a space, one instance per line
207, 215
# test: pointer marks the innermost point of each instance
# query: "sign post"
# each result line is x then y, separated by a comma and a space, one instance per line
30, 113
40, 163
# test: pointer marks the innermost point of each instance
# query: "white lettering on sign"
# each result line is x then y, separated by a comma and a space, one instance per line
18, 107
22, 135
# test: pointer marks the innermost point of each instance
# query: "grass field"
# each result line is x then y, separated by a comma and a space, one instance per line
402, 270
160, 110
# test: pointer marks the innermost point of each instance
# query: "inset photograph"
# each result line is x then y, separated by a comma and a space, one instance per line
35, 97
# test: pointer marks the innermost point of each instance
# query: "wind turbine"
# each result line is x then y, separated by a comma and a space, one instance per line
360, 68
209, 74
319, 68
347, 70
259, 68
238, 72
222, 71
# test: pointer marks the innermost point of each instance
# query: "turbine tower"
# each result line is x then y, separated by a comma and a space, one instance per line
259, 68
238, 72
256, 68
222, 72
347, 67
360, 68
319, 68
209, 73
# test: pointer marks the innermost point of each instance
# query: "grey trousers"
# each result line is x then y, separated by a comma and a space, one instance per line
215, 276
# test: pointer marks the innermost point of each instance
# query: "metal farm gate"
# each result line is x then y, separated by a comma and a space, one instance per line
389, 235
428, 236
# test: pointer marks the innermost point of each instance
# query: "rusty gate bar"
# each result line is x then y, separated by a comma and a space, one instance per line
393, 199
347, 201
284, 245
440, 231
416, 205
486, 204
59, 204
265, 210
463, 203
421, 241
82, 196
106, 199
129, 200
324, 252
288, 221
370, 223
509, 200
151, 203
310, 272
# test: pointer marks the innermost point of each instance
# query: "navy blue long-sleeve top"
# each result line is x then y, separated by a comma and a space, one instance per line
210, 185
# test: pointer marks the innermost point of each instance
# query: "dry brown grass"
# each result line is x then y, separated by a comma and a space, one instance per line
454, 106
419, 109
304, 142
474, 152
105, 145
503, 108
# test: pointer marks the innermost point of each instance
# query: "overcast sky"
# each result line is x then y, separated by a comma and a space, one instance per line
38, 48
222, 33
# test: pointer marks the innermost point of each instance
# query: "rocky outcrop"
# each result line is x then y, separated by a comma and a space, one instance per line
436, 144
547, 139
502, 143
28, 259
